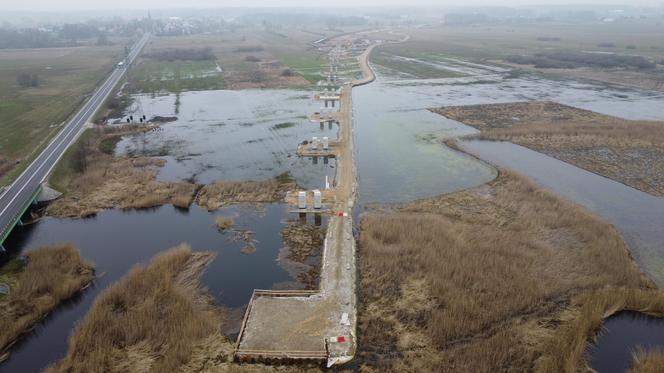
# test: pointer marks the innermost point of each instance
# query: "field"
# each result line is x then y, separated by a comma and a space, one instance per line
417, 66
502, 277
49, 276
30, 116
246, 58
495, 43
622, 150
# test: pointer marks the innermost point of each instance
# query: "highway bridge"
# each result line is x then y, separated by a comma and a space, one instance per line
18, 197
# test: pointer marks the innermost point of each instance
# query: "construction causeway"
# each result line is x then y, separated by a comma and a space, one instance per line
318, 325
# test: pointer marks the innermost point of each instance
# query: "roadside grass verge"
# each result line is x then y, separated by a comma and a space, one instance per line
52, 274
154, 319
502, 277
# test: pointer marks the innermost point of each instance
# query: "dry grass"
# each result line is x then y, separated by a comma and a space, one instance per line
122, 182
623, 150
52, 274
155, 319
219, 194
648, 361
223, 223
482, 280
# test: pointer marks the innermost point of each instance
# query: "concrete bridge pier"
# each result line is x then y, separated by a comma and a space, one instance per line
322, 125
315, 160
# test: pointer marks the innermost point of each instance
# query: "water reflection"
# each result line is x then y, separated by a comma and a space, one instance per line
231, 136
116, 240
621, 335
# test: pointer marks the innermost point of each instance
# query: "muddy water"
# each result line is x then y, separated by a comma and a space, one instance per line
232, 136
117, 240
621, 335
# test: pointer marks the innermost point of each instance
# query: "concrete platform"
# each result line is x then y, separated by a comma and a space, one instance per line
306, 150
283, 325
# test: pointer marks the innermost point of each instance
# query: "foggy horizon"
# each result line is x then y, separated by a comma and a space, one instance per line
80, 5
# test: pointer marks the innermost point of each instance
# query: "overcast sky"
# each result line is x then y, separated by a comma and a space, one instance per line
55, 5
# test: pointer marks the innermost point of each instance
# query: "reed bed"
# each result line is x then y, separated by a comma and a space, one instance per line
648, 361
503, 277
222, 193
154, 319
52, 274
623, 150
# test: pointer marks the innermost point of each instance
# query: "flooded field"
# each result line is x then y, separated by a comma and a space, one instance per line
253, 135
399, 156
231, 135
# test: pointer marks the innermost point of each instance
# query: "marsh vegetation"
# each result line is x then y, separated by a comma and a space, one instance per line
627, 151
155, 318
37, 285
501, 277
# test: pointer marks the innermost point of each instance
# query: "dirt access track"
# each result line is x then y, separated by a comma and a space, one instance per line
316, 325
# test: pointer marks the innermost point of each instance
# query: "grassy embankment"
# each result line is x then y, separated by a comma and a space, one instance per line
50, 276
30, 116
495, 43
154, 319
623, 150
502, 277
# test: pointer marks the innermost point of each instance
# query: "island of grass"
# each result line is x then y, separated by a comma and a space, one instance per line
37, 285
627, 151
157, 318
502, 277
